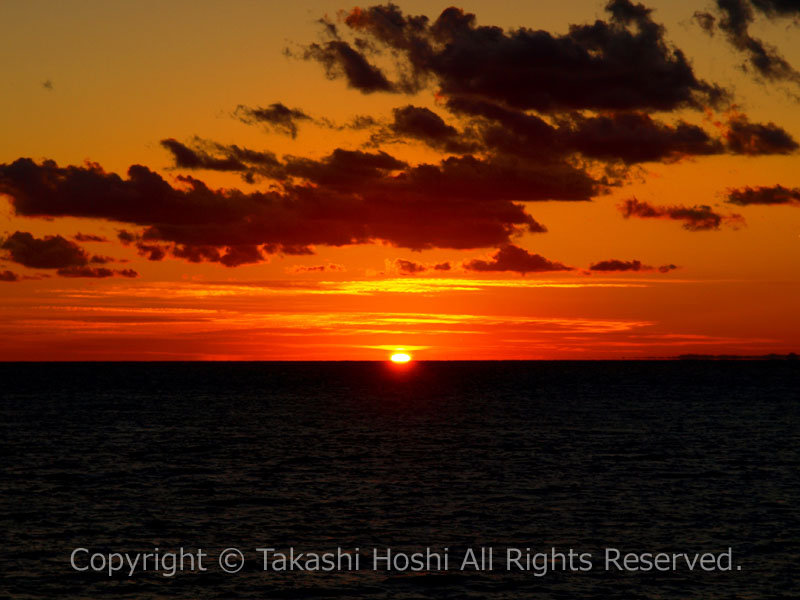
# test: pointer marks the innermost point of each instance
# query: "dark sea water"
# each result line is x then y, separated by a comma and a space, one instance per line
641, 456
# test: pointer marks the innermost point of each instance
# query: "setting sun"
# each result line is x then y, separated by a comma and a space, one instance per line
400, 358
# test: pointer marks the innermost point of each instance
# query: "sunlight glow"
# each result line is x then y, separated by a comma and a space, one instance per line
400, 358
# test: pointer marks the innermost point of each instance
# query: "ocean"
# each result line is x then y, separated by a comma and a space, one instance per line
556, 464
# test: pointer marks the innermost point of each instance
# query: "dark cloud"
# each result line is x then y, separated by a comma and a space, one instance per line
593, 88
9, 276
126, 237
359, 122
619, 265
422, 124
101, 260
94, 272
614, 265
153, 252
514, 258
315, 268
736, 17
199, 159
744, 137
215, 157
50, 252
706, 21
775, 195
85, 237
694, 218
349, 197
504, 130
629, 137
409, 267
636, 137
232, 256
624, 63
289, 249
56, 252
275, 116
341, 60
338, 166
343, 168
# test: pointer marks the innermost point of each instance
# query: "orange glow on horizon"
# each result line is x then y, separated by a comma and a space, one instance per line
400, 358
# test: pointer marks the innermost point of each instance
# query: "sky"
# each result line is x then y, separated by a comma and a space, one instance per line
473, 181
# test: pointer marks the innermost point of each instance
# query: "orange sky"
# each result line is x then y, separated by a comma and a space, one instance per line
419, 226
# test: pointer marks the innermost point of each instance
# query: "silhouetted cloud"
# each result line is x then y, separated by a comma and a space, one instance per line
50, 252
56, 252
706, 21
614, 265
195, 158
694, 218
410, 267
94, 272
341, 60
8, 276
526, 114
774, 195
744, 137
630, 137
619, 265
101, 260
330, 267
621, 64
126, 237
736, 17
514, 258
419, 123
346, 169
232, 256
636, 137
151, 251
349, 197
276, 116
86, 237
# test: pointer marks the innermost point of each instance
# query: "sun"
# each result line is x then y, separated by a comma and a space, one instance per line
400, 358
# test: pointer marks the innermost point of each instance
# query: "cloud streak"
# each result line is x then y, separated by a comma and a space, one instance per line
277, 117
776, 195
515, 259
694, 218
615, 265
